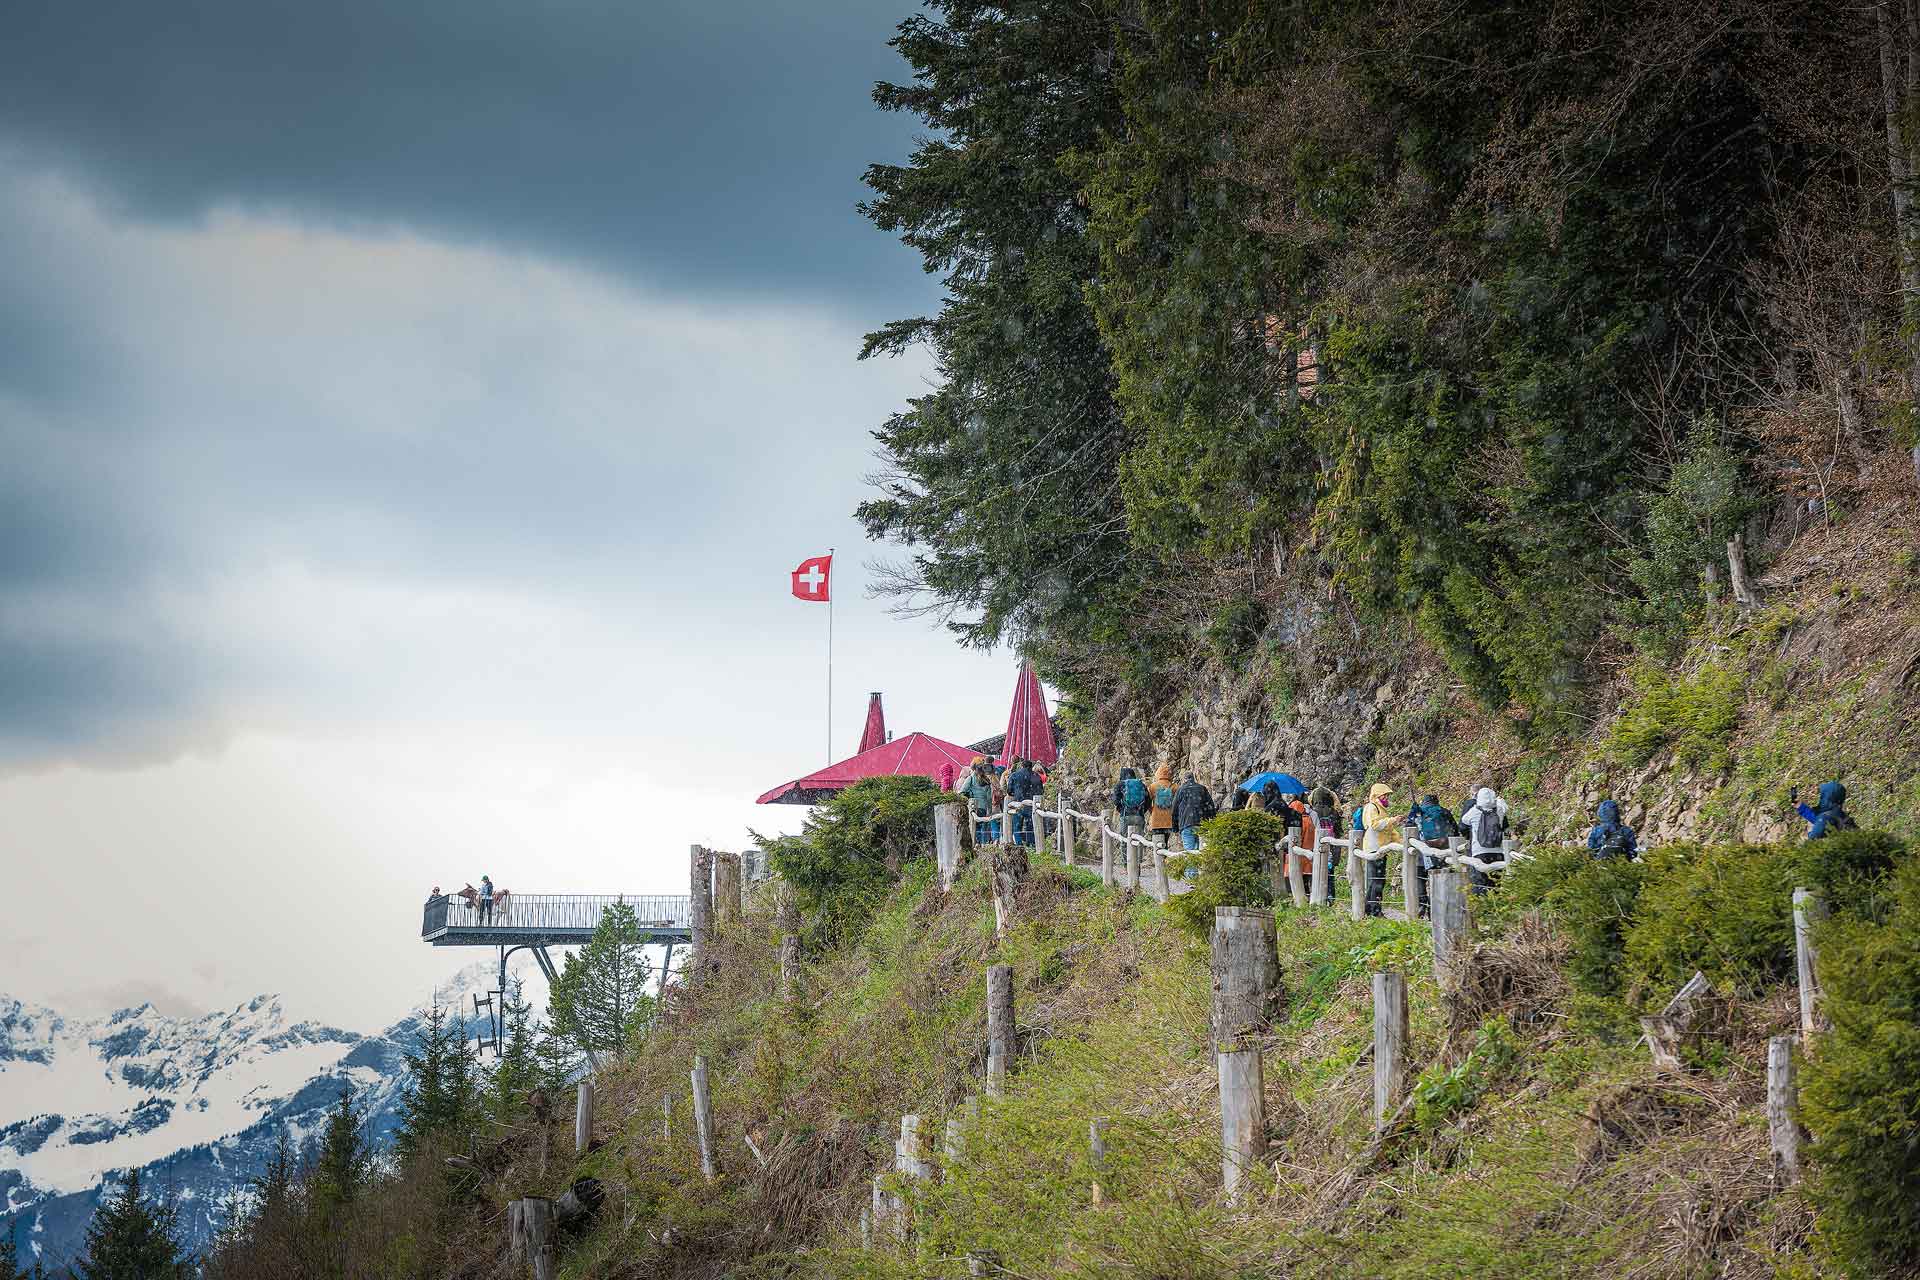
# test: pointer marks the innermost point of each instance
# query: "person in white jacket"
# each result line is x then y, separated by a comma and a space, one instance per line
1485, 822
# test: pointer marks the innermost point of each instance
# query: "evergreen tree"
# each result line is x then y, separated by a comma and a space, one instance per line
600, 1003
519, 1070
441, 1094
10, 1268
344, 1162
133, 1238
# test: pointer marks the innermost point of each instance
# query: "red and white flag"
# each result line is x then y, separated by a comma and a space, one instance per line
813, 580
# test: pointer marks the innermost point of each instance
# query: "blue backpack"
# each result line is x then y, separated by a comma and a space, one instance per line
1133, 795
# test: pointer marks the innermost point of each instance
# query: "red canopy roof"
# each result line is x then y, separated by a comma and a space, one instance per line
875, 733
1029, 728
916, 753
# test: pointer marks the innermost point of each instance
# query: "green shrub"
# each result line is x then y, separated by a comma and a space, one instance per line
1696, 714
1592, 900
1232, 867
1861, 1091
851, 849
1439, 1094
1726, 910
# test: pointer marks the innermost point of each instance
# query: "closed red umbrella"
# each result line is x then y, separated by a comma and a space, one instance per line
1029, 727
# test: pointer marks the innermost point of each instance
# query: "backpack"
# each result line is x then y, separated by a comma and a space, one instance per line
1359, 819
1133, 795
1486, 828
1435, 824
1163, 798
1613, 842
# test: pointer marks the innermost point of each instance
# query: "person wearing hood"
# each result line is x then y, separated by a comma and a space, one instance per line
1192, 805
1378, 822
1485, 822
979, 791
946, 776
1829, 815
1610, 837
1436, 825
1160, 816
1130, 803
1022, 784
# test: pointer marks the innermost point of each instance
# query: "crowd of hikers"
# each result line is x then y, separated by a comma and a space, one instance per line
1164, 813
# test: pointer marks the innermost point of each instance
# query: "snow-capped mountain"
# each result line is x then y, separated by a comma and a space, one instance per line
195, 1103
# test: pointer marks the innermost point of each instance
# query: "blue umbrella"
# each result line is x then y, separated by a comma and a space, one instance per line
1288, 784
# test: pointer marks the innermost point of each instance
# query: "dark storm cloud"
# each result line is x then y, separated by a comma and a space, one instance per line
698, 145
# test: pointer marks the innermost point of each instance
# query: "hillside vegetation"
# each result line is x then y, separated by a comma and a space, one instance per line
1539, 1141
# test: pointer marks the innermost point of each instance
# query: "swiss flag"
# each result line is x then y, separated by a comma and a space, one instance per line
813, 579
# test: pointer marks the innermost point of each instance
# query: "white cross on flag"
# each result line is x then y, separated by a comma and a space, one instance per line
813, 579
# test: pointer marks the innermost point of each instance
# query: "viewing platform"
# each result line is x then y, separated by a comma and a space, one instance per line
549, 919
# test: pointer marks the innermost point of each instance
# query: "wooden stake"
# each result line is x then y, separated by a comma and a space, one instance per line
703, 1117
1449, 922
1133, 861
1295, 884
1097, 1154
1322, 870
1389, 1044
1008, 865
946, 842
583, 1117
726, 887
666, 1117
1357, 882
1106, 847
1809, 909
1410, 872
1065, 830
1783, 1111
1000, 1026
532, 1226
700, 908
1245, 972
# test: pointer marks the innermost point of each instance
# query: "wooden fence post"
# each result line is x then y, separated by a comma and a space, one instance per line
787, 914
1133, 859
1322, 871
666, 1117
1449, 921
1410, 872
1006, 822
1097, 1155
1161, 889
946, 842
703, 1117
726, 886
1357, 881
700, 908
583, 1117
1294, 883
999, 1026
1783, 1111
1066, 834
1007, 865
1106, 847
1809, 909
1389, 1044
530, 1228
1245, 971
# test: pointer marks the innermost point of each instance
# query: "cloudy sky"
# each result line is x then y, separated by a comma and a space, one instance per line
411, 413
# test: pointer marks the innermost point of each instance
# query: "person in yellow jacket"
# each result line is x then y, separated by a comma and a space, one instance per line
1378, 821
1160, 816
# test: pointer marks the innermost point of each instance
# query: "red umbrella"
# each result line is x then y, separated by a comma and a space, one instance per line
1029, 727
919, 753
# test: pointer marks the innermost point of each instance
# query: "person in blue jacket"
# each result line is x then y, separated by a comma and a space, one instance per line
1023, 784
1610, 837
1828, 816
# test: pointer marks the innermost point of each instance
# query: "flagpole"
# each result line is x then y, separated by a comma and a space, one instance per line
829, 655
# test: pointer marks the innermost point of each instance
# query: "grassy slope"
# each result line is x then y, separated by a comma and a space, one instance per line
1571, 1161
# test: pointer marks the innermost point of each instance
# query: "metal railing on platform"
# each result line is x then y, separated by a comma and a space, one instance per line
553, 912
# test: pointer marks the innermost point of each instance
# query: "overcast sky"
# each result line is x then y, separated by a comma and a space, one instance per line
411, 413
